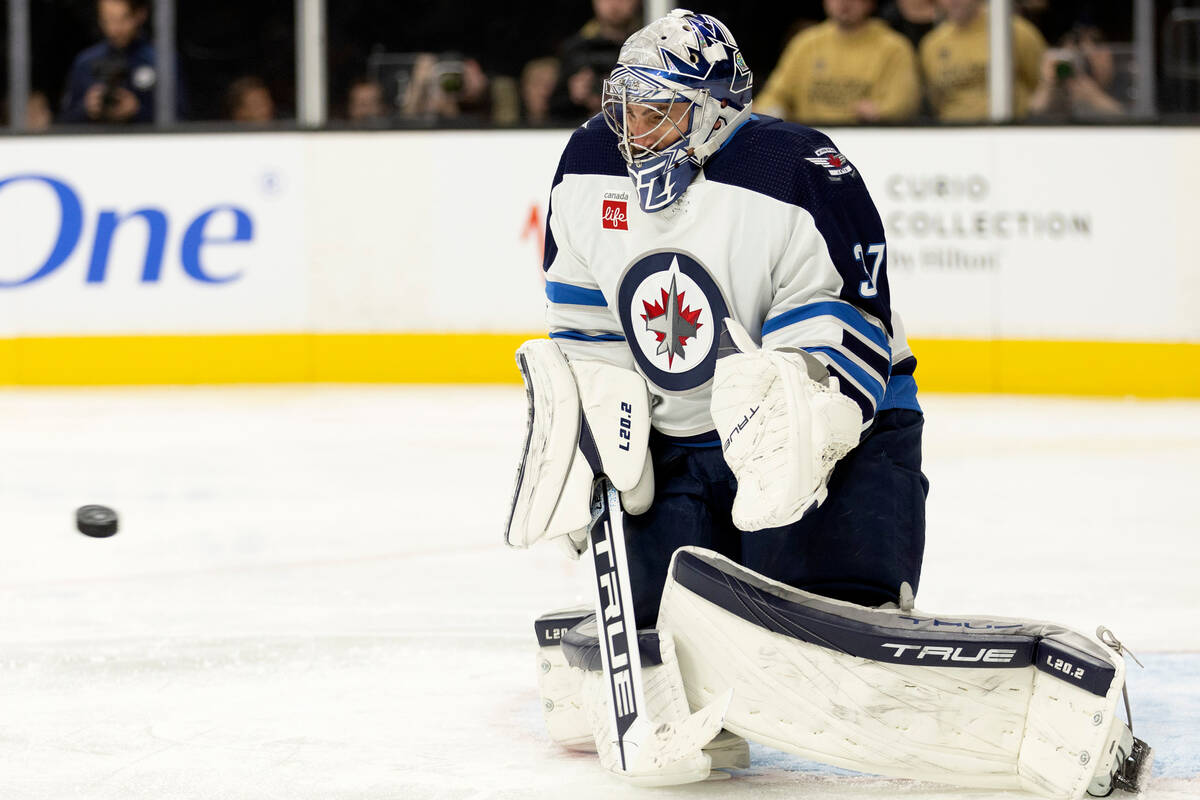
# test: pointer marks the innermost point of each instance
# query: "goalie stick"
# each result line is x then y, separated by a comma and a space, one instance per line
646, 748
615, 622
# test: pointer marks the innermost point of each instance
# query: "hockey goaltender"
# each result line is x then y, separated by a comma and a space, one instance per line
725, 417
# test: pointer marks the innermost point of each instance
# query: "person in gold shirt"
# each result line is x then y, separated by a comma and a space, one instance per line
850, 68
954, 62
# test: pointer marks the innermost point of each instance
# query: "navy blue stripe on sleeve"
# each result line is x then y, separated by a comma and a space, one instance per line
866, 354
865, 379
905, 366
847, 388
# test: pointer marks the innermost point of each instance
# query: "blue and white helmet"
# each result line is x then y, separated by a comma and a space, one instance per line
685, 70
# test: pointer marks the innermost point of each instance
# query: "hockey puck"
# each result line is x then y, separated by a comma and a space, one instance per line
99, 522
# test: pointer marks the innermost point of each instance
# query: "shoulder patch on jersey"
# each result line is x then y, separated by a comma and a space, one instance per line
774, 158
671, 310
835, 164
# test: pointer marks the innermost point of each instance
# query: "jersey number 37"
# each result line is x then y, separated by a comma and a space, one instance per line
868, 288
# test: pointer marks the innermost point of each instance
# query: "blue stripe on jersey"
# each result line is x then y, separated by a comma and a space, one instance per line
901, 393
848, 389
580, 336
864, 378
869, 356
843, 311
574, 295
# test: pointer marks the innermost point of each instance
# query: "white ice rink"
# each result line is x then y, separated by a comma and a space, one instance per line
309, 599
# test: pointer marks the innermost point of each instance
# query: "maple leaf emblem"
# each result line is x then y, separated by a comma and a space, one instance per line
671, 322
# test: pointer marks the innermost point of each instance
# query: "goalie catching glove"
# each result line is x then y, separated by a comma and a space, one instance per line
580, 413
783, 426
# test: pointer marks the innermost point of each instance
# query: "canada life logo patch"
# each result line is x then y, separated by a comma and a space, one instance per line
672, 311
614, 215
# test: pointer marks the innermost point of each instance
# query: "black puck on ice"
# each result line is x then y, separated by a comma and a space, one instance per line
98, 522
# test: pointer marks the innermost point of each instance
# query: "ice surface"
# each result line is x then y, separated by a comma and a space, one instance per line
308, 597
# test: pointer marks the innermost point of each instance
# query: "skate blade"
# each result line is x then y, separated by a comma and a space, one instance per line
1135, 772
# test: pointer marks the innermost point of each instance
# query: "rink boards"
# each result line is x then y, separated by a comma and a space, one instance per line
1057, 260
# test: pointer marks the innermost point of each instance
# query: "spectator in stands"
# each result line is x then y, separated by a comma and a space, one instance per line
113, 81
249, 101
449, 87
432, 87
954, 60
1075, 77
38, 116
538, 78
365, 104
911, 18
587, 57
849, 68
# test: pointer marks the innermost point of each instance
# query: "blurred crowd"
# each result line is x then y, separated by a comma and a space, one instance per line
930, 58
838, 62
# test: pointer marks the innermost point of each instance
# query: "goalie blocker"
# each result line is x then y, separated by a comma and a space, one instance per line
585, 417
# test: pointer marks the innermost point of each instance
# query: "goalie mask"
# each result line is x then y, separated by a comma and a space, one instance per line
679, 91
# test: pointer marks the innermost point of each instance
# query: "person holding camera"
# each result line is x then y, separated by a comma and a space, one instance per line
113, 81
1077, 77
447, 86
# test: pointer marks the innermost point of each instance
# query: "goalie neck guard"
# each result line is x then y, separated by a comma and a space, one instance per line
683, 87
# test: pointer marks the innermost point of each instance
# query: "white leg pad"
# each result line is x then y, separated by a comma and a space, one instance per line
1033, 708
560, 685
561, 688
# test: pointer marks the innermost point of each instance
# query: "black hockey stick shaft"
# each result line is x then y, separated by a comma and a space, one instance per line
616, 624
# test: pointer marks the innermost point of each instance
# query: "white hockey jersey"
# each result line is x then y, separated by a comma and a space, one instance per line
778, 231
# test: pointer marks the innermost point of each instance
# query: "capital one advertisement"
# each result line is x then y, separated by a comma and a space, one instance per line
151, 234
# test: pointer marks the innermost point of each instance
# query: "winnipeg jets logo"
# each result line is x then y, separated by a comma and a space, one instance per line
833, 161
671, 309
671, 321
